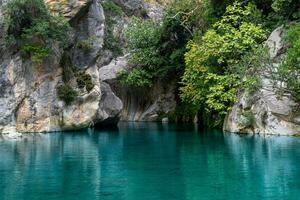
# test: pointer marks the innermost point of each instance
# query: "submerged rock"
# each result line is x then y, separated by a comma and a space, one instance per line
265, 112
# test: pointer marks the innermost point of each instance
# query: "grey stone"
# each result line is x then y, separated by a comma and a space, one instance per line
110, 105
90, 32
114, 68
148, 104
28, 91
272, 115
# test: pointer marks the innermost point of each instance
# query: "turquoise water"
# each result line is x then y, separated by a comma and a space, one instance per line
150, 161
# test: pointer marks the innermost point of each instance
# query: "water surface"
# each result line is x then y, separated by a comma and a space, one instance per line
148, 161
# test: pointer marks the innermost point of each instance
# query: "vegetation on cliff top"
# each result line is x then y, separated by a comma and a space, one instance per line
33, 30
158, 47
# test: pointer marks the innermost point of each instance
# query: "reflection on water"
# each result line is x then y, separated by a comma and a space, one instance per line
141, 161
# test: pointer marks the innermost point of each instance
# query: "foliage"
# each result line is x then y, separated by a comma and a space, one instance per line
183, 113
187, 14
208, 81
37, 53
214, 93
278, 12
141, 33
84, 81
214, 9
22, 14
67, 66
215, 46
251, 68
226, 55
86, 45
158, 47
246, 119
289, 70
69, 72
112, 8
143, 38
136, 78
288, 8
67, 94
31, 28
111, 41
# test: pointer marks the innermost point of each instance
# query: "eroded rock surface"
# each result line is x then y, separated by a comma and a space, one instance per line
29, 100
28, 92
272, 115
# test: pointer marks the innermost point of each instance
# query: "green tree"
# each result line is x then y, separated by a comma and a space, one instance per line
144, 40
208, 81
158, 47
288, 72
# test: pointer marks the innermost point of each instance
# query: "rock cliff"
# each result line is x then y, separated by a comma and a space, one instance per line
28, 92
270, 114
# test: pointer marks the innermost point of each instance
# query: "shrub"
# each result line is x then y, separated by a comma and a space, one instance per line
85, 45
31, 28
111, 8
112, 42
36, 53
289, 71
84, 81
143, 39
246, 119
69, 72
252, 67
136, 78
67, 94
208, 81
158, 48
286, 8
22, 14
67, 67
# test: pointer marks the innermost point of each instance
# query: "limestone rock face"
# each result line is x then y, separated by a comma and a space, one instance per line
89, 36
272, 115
131, 7
110, 106
110, 72
68, 8
29, 99
138, 105
147, 105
